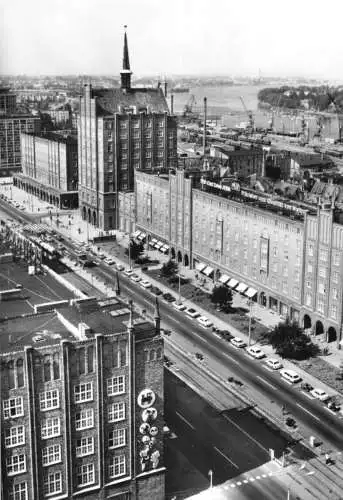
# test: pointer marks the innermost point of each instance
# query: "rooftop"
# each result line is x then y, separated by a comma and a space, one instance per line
56, 136
110, 101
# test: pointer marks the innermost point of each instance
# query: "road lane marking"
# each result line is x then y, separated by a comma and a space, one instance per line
226, 457
307, 395
185, 420
307, 411
232, 359
267, 383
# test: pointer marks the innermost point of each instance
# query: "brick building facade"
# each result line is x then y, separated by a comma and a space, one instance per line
83, 416
287, 255
120, 130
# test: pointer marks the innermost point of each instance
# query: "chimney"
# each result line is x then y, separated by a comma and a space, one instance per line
171, 104
165, 88
205, 120
157, 317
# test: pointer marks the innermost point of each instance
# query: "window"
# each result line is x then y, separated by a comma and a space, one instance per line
83, 392
335, 277
15, 436
85, 474
10, 375
51, 455
333, 311
308, 299
13, 408
20, 372
116, 385
56, 366
16, 464
285, 286
90, 357
323, 255
49, 400
85, 446
84, 419
274, 251
53, 483
310, 250
116, 438
320, 304
47, 370
51, 427
321, 288
335, 293
322, 272
19, 491
116, 412
118, 466
285, 271
336, 258
309, 268
296, 292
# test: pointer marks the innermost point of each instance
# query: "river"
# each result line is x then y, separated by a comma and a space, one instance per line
225, 102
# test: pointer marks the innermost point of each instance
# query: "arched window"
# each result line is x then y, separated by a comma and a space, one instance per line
159, 353
56, 366
115, 353
152, 355
146, 356
47, 368
10, 375
81, 360
20, 372
90, 359
123, 360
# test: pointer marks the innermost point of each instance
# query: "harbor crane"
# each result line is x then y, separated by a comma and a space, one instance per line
249, 114
188, 110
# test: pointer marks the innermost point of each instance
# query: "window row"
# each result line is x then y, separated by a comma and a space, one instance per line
15, 374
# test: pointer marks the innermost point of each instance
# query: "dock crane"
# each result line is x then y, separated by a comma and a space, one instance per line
249, 114
188, 109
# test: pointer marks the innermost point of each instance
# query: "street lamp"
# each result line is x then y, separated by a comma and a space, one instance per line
130, 254
249, 335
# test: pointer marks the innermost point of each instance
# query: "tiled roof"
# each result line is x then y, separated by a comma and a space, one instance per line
109, 101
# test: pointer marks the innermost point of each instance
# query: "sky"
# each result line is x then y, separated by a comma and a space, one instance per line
175, 37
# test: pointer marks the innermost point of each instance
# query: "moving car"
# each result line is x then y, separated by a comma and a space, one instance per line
290, 375
255, 352
306, 387
145, 284
320, 394
192, 313
179, 306
332, 405
205, 322
237, 342
274, 364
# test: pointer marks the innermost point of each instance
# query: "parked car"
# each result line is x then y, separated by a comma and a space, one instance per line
237, 342
320, 394
205, 322
135, 278
101, 256
192, 313
145, 284
109, 261
156, 290
332, 405
255, 352
128, 272
179, 306
306, 387
168, 297
274, 364
120, 267
290, 375
199, 356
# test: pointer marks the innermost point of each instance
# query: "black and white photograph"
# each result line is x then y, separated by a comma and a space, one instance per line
171, 250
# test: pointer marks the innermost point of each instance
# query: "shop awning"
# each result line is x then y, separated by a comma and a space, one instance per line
199, 266
251, 292
232, 283
136, 234
158, 245
241, 287
224, 278
164, 249
208, 271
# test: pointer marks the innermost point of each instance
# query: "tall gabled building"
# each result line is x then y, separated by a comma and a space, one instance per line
120, 130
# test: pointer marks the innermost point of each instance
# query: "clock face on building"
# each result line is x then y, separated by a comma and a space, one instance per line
146, 398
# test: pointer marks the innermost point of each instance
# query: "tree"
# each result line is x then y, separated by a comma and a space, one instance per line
222, 296
290, 341
169, 269
136, 249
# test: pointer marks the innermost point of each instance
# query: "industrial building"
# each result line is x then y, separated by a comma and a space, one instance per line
120, 130
287, 255
50, 167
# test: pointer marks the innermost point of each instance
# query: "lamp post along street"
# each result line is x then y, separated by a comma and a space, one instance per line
249, 336
130, 254
179, 288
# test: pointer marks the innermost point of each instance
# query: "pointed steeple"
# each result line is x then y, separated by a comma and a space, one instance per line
126, 73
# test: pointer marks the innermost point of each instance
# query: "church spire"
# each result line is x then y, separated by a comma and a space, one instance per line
126, 73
